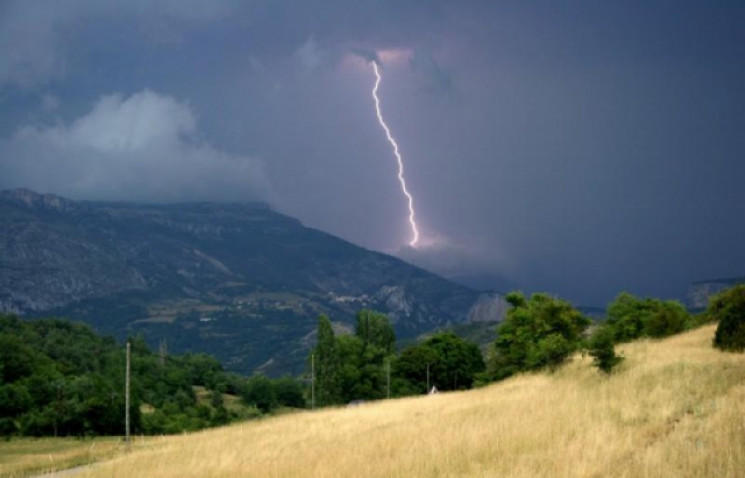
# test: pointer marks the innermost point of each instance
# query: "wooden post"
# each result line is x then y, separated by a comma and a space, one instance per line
427, 378
389, 377
312, 381
126, 401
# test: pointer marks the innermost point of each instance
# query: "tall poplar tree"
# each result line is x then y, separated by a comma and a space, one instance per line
328, 388
374, 328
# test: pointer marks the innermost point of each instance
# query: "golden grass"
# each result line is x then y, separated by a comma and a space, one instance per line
675, 409
26, 456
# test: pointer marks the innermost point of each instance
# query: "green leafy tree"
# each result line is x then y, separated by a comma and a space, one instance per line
459, 361
729, 309
328, 387
362, 370
202, 369
453, 363
632, 317
542, 331
412, 368
627, 315
259, 391
216, 399
668, 318
60, 378
374, 328
289, 392
220, 416
550, 351
601, 349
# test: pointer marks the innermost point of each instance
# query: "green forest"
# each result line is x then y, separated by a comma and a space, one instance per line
59, 378
539, 332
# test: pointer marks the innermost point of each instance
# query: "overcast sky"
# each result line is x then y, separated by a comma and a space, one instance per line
581, 147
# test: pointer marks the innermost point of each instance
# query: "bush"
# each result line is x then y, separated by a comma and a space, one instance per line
538, 332
453, 364
601, 349
729, 309
669, 318
289, 392
632, 317
259, 392
551, 352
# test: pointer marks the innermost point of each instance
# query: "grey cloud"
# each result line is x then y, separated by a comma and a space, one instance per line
438, 79
367, 55
144, 147
310, 54
35, 36
596, 146
31, 53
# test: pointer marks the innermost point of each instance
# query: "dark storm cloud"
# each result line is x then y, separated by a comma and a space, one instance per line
425, 62
34, 34
579, 148
367, 55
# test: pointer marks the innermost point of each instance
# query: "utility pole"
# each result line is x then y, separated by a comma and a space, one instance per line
126, 401
312, 381
427, 378
389, 377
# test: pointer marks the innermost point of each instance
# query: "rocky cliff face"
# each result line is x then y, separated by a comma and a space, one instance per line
699, 293
237, 280
489, 307
47, 262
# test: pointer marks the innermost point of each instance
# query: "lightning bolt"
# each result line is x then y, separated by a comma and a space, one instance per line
401, 179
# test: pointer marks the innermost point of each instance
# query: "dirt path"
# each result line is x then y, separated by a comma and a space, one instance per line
67, 473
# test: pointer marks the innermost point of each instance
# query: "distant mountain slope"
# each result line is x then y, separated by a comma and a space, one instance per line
700, 292
239, 281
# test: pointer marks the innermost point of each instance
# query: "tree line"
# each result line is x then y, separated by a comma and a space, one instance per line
365, 365
539, 332
59, 378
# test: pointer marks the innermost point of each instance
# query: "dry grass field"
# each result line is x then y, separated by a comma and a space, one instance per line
28, 456
675, 409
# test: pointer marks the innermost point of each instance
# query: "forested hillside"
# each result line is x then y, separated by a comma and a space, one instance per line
60, 378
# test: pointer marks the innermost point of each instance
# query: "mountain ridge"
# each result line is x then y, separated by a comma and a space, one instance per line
238, 280
700, 292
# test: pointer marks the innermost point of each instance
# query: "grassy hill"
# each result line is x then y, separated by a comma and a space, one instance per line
675, 408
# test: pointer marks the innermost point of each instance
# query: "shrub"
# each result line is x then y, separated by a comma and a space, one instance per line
669, 318
601, 349
541, 331
632, 317
551, 352
453, 364
259, 392
729, 309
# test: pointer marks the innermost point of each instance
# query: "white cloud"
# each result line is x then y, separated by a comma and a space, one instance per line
144, 147
143, 121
